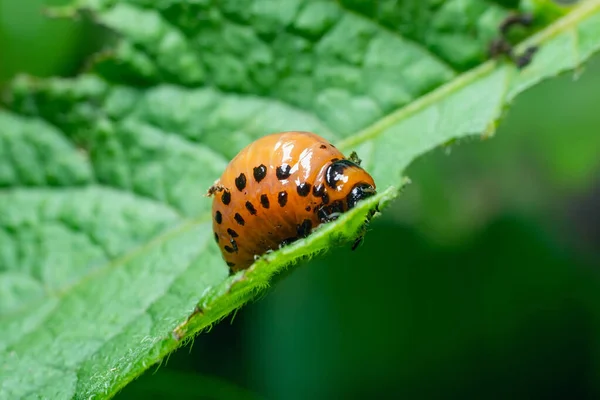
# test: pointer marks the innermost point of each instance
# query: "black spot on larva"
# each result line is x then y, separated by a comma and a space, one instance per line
250, 208
323, 146
234, 244
283, 171
304, 228
303, 189
264, 201
325, 198
226, 197
228, 249
216, 237
307, 208
318, 190
232, 233
337, 206
240, 182
260, 172
238, 218
282, 198
218, 217
230, 264
335, 171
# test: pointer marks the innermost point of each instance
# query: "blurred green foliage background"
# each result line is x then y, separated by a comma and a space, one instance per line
483, 277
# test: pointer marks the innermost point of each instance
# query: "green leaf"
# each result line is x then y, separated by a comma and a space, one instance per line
108, 261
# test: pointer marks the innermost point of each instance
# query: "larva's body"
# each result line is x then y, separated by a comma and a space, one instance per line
277, 189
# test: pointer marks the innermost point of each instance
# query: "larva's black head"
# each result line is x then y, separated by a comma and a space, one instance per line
349, 182
359, 192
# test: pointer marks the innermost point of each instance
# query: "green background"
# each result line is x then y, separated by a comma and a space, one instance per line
481, 281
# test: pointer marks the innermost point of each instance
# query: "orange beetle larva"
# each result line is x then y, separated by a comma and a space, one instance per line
277, 189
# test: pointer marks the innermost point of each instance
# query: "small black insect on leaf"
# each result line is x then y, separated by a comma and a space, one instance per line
501, 46
524, 20
525, 58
